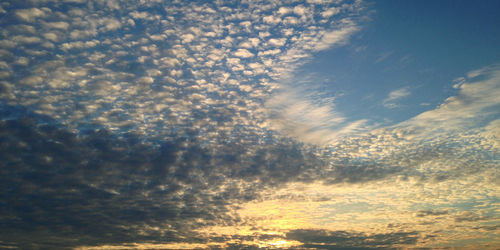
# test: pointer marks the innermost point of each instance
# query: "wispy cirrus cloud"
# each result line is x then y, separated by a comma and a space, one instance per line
394, 96
473, 106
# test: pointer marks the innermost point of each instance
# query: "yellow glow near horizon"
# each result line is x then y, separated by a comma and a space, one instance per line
371, 209
279, 243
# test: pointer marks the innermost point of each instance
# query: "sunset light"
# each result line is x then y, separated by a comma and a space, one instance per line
249, 124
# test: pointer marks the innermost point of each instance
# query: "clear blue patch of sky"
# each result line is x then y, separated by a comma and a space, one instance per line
419, 45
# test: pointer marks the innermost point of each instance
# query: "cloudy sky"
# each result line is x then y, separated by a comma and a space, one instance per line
249, 124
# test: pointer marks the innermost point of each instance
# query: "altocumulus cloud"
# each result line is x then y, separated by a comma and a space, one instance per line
65, 189
134, 123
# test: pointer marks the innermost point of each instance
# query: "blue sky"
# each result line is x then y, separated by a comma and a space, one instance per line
420, 47
261, 124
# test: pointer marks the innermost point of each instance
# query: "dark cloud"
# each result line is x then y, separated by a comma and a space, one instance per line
468, 216
325, 239
488, 228
360, 173
424, 213
98, 187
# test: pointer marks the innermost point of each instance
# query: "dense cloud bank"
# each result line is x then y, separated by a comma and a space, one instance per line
100, 188
323, 239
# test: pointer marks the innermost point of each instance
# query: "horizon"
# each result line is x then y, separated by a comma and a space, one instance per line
311, 124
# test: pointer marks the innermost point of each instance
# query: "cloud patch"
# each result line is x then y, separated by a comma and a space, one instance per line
391, 100
345, 240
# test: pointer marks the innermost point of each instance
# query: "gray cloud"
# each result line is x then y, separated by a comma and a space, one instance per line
99, 187
85, 190
425, 213
324, 239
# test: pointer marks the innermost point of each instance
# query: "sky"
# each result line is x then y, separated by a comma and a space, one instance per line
313, 124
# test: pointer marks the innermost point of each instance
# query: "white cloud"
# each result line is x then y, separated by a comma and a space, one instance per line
4, 65
24, 61
176, 73
210, 34
291, 20
110, 24
336, 37
23, 28
187, 38
269, 52
179, 52
383, 56
57, 25
284, 10
5, 74
254, 41
104, 88
317, 1
57, 83
395, 95
79, 45
26, 39
300, 10
233, 61
145, 80
8, 44
303, 118
246, 45
141, 15
475, 102
458, 82
29, 15
491, 134
246, 88
277, 42
330, 12
31, 80
170, 62
81, 34
271, 19
243, 53
264, 34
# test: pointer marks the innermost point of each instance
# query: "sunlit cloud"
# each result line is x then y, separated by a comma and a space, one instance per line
390, 101
181, 125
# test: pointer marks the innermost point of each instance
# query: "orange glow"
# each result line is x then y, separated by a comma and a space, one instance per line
279, 244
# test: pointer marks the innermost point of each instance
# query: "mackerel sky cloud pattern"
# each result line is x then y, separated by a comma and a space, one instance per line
235, 124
